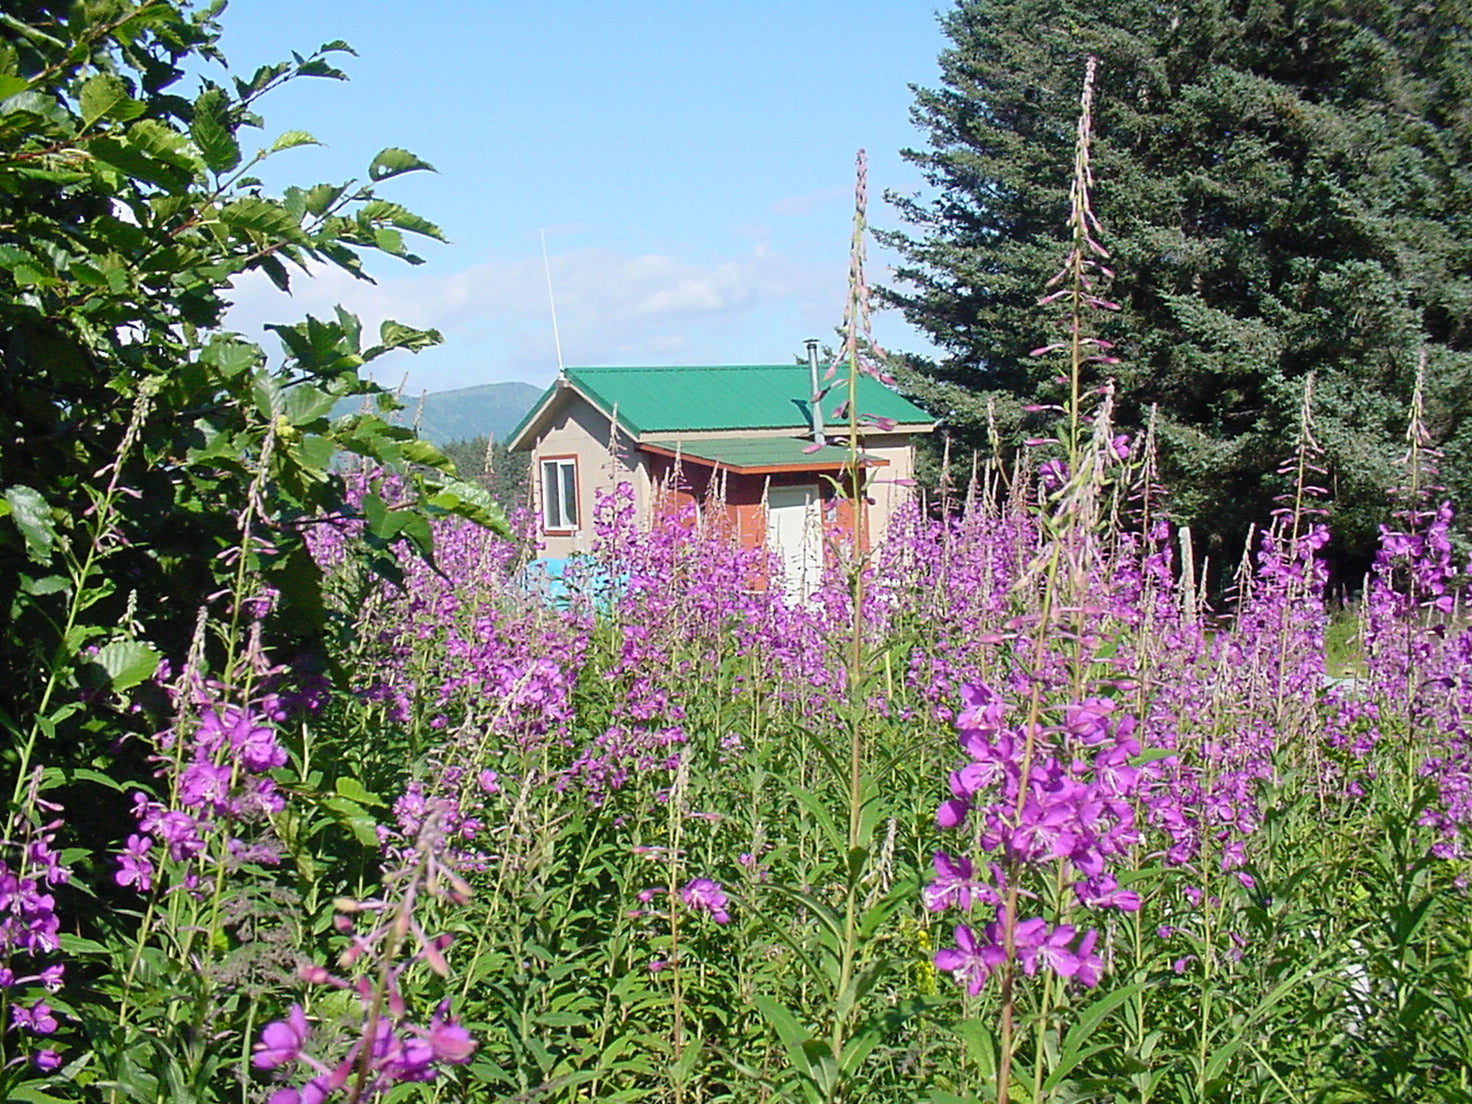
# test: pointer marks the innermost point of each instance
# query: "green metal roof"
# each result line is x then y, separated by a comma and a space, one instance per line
757, 454
724, 397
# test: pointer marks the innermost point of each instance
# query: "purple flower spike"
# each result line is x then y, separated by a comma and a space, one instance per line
1053, 799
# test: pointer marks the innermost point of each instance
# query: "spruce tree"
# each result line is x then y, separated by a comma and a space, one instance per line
1285, 188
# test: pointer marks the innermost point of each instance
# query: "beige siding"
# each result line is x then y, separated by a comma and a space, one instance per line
579, 431
890, 487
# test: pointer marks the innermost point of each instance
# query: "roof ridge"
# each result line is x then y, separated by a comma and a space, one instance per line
675, 367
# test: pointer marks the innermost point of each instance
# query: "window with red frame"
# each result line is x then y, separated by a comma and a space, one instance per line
560, 493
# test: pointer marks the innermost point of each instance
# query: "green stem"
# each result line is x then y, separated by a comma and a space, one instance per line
676, 974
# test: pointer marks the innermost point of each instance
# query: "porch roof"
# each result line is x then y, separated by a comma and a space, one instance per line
760, 455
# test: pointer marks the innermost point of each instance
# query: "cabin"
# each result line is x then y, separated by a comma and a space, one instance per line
736, 440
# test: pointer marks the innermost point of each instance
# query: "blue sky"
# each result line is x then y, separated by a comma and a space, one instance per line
691, 165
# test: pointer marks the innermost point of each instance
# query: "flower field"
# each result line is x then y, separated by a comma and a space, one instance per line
1031, 812
1029, 815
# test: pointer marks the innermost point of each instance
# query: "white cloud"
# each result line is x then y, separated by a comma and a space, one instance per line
685, 298
612, 307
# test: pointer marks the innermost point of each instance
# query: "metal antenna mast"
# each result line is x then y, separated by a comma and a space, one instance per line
551, 302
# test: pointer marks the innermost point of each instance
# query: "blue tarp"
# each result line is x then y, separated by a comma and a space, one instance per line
560, 582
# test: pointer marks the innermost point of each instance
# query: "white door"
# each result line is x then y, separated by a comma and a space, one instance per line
794, 533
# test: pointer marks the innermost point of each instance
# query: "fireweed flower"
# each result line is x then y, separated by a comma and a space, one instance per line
390, 1048
1418, 660
954, 887
1069, 809
1038, 945
698, 895
704, 895
30, 930
222, 794
972, 960
282, 1041
1052, 474
37, 1019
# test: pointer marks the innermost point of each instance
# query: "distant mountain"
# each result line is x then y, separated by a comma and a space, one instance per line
491, 409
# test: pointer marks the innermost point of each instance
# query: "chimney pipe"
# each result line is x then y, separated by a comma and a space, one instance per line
815, 407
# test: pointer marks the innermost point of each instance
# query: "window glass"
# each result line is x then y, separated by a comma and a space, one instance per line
560, 494
570, 493
551, 515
